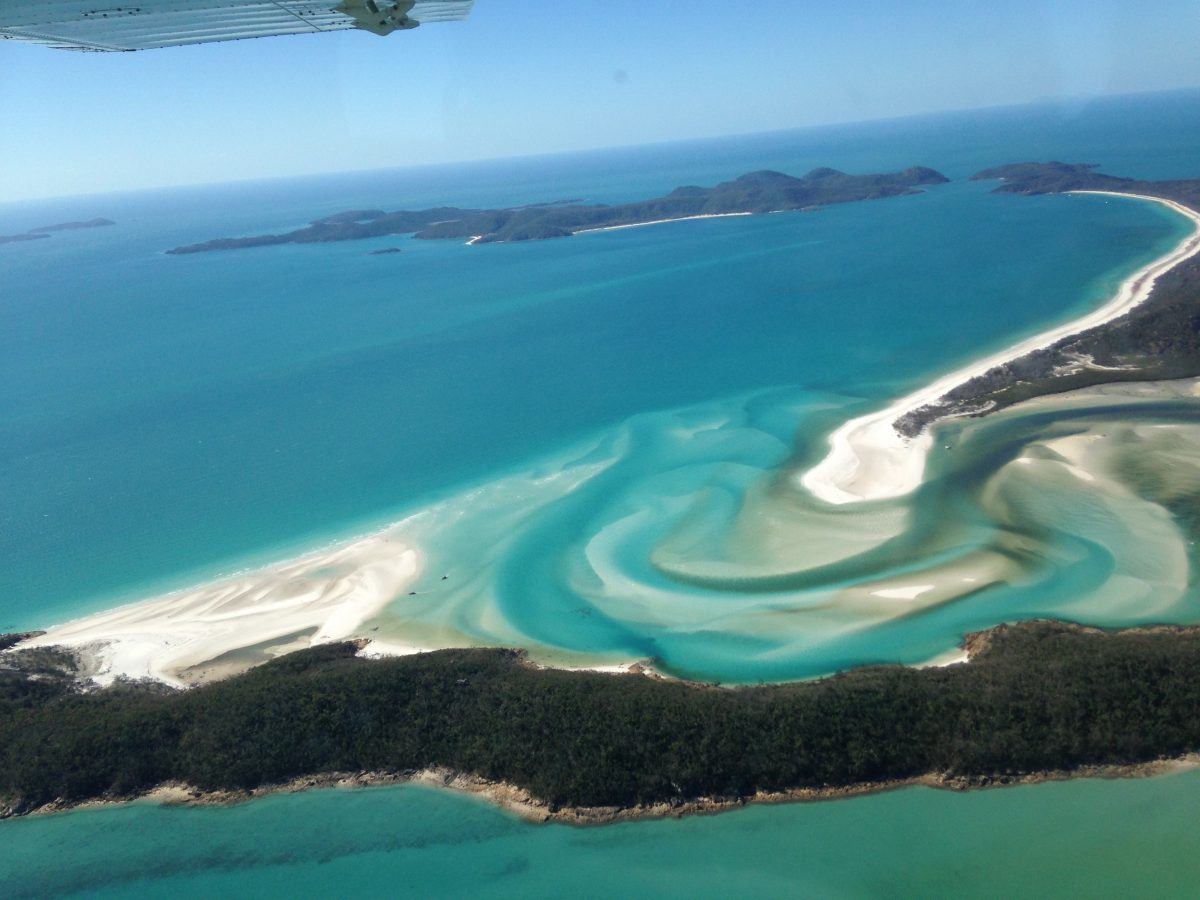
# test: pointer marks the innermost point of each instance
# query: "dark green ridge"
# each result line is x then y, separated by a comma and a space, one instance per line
1058, 177
1157, 340
1035, 697
756, 192
44, 231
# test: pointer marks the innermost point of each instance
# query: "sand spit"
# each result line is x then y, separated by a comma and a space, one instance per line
869, 460
226, 626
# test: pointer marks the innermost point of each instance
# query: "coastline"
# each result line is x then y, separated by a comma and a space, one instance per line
868, 459
521, 803
214, 630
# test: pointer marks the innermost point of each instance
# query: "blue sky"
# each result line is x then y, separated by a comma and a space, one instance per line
534, 76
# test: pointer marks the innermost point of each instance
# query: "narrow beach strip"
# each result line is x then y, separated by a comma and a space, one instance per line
661, 221
869, 460
477, 238
196, 634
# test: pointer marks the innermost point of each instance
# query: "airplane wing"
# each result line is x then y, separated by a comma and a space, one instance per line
144, 24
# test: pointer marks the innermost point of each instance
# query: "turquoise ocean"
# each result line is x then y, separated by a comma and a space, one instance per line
165, 420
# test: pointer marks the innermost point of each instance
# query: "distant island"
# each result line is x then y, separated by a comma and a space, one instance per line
756, 192
1037, 700
1156, 340
27, 236
45, 231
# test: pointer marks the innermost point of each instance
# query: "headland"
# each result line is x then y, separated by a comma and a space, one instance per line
1146, 331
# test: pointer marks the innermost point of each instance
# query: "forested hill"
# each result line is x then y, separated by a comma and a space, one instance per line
1034, 697
1059, 177
756, 192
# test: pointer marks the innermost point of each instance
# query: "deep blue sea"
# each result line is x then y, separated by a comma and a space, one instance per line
166, 419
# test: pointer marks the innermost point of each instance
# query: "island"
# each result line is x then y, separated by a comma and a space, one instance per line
756, 192
1034, 701
45, 231
27, 236
74, 226
1157, 339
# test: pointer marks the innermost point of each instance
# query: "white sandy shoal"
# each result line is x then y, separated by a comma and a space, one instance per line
909, 592
317, 598
869, 460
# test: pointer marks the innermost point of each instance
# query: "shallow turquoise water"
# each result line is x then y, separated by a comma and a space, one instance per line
1085, 838
164, 419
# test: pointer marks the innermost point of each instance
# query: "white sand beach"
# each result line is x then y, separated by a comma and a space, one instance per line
477, 238
661, 221
226, 626
869, 460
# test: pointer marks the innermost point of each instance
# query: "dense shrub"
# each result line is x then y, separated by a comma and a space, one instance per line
1041, 696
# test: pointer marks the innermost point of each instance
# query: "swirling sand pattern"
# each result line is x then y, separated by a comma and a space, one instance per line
690, 546
683, 538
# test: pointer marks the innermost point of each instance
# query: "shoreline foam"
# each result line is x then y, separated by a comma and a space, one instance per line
869, 460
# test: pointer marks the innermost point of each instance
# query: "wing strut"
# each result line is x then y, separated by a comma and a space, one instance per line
379, 19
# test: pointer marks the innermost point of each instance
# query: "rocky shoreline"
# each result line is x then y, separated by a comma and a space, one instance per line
520, 802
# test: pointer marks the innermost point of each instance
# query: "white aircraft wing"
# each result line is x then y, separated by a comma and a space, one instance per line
143, 24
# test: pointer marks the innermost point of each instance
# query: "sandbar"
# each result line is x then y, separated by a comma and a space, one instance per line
217, 629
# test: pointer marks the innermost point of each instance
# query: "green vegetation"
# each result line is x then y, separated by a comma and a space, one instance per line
1035, 697
756, 192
